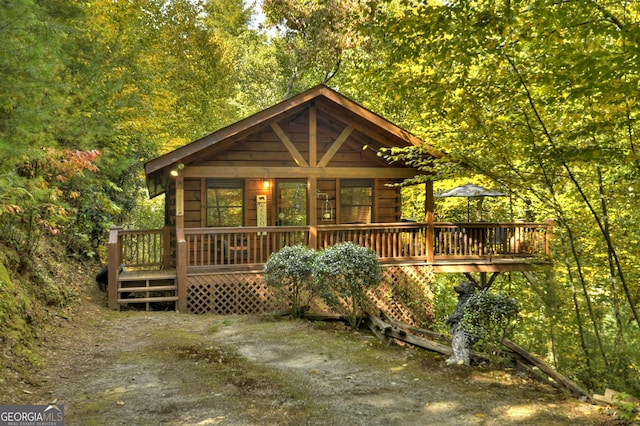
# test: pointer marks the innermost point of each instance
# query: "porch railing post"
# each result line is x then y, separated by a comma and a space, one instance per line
114, 254
313, 237
181, 270
430, 240
429, 207
548, 236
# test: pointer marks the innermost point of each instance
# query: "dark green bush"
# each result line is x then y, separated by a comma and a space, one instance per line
344, 274
490, 317
290, 272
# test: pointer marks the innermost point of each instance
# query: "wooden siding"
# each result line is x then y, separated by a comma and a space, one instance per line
386, 201
265, 147
193, 201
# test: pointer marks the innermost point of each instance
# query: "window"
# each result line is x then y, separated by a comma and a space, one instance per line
356, 201
292, 203
225, 202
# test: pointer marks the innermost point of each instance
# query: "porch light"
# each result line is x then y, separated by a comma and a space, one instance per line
265, 183
175, 172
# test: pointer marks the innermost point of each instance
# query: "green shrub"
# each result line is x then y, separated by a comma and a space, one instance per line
290, 271
490, 317
344, 274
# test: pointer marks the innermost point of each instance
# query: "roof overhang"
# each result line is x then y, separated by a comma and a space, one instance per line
157, 170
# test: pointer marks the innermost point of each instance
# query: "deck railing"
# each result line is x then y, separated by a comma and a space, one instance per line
212, 247
239, 246
390, 241
519, 239
140, 248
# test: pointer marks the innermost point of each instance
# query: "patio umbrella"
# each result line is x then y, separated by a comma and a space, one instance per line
469, 191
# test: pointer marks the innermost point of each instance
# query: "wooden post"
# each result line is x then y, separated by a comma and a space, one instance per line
313, 212
313, 181
180, 202
548, 236
114, 253
181, 249
429, 207
181, 270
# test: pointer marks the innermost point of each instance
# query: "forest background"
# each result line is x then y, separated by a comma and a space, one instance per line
537, 98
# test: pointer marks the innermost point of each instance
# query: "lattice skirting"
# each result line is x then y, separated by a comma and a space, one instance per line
404, 294
229, 293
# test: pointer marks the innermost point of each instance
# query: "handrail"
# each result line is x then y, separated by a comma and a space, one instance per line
494, 239
142, 247
239, 245
397, 241
206, 247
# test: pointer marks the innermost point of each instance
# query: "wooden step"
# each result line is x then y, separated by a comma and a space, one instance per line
162, 274
149, 299
150, 288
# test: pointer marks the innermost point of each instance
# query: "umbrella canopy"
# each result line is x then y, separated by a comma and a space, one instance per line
469, 190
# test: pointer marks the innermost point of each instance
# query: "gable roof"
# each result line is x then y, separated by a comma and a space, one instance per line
179, 154
395, 136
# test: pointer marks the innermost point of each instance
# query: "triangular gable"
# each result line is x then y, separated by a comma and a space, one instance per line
363, 119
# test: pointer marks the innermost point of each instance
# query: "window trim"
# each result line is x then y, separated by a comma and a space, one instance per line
358, 183
224, 184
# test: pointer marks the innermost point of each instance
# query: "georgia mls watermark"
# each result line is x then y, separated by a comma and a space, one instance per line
31, 415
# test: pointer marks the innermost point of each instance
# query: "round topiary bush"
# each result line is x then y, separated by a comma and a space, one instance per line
290, 272
344, 274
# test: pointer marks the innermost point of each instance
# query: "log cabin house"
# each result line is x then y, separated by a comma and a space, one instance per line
295, 173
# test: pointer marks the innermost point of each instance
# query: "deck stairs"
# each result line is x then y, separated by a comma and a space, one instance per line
152, 288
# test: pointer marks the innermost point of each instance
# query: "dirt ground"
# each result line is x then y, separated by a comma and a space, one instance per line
151, 368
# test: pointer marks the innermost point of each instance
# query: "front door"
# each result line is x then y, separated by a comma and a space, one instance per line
292, 203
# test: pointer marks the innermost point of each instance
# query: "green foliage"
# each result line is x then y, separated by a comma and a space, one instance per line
290, 270
626, 408
317, 35
25, 302
344, 273
43, 196
126, 79
490, 317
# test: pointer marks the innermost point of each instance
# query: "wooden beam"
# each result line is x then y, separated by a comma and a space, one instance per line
313, 212
181, 269
335, 146
420, 341
472, 279
300, 172
297, 157
452, 266
379, 328
313, 135
369, 121
563, 380
492, 279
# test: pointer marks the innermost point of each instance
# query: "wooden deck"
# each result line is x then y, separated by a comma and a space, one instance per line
155, 270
